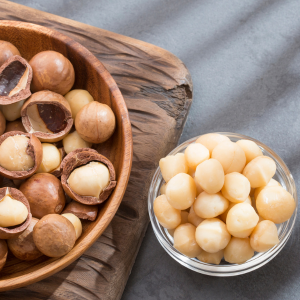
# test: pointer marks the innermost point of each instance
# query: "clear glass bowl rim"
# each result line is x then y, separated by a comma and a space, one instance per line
231, 269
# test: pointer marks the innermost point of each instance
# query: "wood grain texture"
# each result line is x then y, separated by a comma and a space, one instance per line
158, 92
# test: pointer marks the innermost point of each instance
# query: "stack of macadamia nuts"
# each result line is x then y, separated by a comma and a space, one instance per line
51, 177
219, 200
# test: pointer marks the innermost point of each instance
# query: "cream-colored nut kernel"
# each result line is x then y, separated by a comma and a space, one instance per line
172, 165
168, 216
276, 204
12, 212
77, 100
260, 170
198, 188
184, 240
163, 189
272, 182
211, 140
209, 206
212, 235
51, 158
264, 236
181, 191
191, 172
238, 250
210, 176
193, 218
90, 179
73, 141
76, 223
231, 156
250, 148
12, 111
236, 187
184, 219
211, 258
223, 216
195, 154
13, 155
241, 220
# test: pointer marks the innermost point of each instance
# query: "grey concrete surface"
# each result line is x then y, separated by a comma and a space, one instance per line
244, 57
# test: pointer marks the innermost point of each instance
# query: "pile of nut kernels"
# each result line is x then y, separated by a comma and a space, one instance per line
52, 178
219, 200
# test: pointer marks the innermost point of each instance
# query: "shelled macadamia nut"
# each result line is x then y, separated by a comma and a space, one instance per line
77, 100
231, 156
211, 140
184, 240
163, 189
184, 219
181, 191
250, 148
15, 215
15, 79
23, 247
236, 187
209, 206
7, 50
210, 176
76, 223
20, 154
241, 220
264, 236
198, 188
45, 194
73, 141
276, 204
212, 235
168, 216
172, 165
12, 111
195, 154
238, 250
211, 258
15, 126
2, 123
193, 218
54, 235
52, 71
47, 115
260, 170
82, 211
3, 253
272, 182
51, 159
95, 122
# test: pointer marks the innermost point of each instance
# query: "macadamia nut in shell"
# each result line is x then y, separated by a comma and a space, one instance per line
3, 253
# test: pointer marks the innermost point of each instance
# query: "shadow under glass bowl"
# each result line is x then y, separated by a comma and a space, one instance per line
283, 175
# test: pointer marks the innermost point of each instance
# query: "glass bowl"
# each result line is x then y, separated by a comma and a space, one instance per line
283, 175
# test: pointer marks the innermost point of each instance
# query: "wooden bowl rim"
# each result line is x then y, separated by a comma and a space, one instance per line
55, 265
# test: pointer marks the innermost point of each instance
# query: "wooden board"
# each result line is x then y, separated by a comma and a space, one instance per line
158, 91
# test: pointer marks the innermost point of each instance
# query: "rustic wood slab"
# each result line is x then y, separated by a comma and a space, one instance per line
158, 91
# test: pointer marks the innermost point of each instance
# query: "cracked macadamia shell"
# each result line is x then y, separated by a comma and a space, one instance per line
15, 79
33, 150
52, 71
23, 246
54, 235
45, 194
47, 115
81, 157
2, 123
82, 211
3, 253
7, 50
14, 231
95, 122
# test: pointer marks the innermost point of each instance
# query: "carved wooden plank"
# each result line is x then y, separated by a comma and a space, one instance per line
158, 91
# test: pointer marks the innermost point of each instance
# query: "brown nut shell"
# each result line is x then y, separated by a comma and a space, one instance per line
52, 71
80, 157
57, 171
7, 50
3, 253
15, 79
23, 247
13, 232
34, 149
51, 115
54, 235
15, 126
82, 211
45, 194
2, 123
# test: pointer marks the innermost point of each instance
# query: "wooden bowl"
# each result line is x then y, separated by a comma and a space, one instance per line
92, 76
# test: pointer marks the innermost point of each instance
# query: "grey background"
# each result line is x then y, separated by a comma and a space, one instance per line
244, 58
